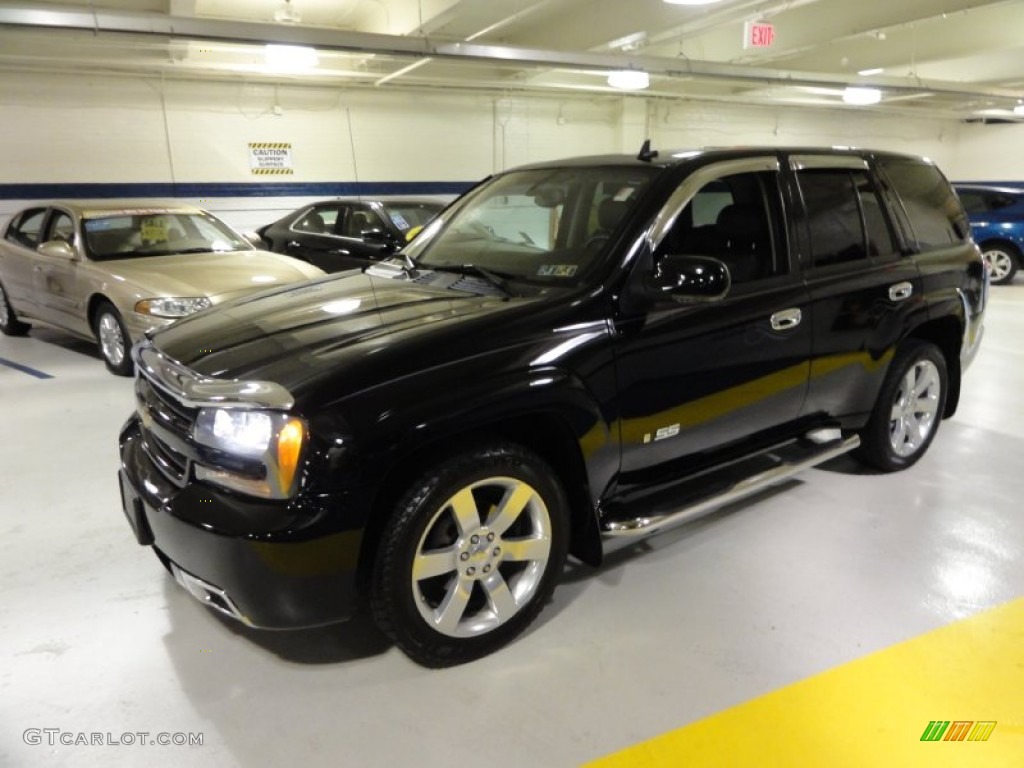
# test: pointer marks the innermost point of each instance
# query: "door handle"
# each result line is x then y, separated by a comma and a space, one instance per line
294, 244
900, 291
786, 318
340, 252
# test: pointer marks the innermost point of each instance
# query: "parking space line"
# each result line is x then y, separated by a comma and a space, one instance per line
24, 369
877, 710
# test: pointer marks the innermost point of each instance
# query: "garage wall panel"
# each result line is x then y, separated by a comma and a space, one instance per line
696, 124
61, 129
989, 153
190, 139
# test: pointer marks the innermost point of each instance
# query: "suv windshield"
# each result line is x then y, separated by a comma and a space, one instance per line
549, 225
158, 233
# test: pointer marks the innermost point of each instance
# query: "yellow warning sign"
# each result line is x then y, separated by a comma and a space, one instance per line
270, 157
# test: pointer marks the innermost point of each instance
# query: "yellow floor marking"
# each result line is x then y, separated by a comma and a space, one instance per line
872, 711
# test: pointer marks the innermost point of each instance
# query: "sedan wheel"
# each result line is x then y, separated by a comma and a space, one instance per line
113, 340
473, 552
1002, 264
10, 325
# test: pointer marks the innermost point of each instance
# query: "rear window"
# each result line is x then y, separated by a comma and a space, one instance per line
933, 209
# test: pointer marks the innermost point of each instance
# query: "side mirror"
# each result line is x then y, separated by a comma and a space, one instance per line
254, 239
691, 279
57, 249
375, 235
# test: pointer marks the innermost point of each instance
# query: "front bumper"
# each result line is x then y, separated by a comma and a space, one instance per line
224, 550
139, 325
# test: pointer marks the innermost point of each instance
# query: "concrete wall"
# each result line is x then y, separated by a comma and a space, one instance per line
990, 153
63, 129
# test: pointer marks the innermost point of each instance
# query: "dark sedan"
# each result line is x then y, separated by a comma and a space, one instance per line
997, 225
343, 234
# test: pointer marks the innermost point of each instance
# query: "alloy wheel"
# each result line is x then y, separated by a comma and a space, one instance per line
915, 409
1000, 264
111, 339
482, 557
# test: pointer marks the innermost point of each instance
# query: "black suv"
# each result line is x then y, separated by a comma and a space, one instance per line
572, 352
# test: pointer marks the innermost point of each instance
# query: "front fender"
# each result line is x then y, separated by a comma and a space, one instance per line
406, 420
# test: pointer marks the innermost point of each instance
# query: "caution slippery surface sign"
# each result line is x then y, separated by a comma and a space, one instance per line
270, 157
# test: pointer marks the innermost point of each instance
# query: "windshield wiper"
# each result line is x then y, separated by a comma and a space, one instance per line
499, 281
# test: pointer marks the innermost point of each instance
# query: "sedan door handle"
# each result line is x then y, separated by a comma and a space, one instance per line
786, 319
900, 291
340, 252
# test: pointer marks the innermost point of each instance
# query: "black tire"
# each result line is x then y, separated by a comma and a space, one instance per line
10, 325
466, 559
113, 340
909, 408
1003, 262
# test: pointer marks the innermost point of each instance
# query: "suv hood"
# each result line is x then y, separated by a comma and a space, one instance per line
350, 323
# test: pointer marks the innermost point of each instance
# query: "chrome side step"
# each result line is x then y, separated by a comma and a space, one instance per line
828, 444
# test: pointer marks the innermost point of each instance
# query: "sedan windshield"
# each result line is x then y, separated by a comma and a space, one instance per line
409, 216
158, 233
550, 225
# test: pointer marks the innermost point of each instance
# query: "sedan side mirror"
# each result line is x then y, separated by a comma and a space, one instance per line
375, 235
691, 279
254, 239
58, 249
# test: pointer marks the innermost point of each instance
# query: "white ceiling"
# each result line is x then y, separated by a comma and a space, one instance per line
949, 58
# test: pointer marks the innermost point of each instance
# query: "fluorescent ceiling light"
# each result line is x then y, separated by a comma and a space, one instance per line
872, 71
1019, 110
290, 58
862, 96
629, 79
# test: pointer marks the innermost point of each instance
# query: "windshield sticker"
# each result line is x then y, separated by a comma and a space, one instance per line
154, 230
624, 194
556, 270
399, 220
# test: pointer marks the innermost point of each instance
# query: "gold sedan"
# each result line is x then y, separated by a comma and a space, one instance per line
111, 271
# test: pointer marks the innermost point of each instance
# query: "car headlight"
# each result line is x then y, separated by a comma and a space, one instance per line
255, 451
173, 307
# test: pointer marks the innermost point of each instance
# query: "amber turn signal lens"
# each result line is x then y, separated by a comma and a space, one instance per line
289, 448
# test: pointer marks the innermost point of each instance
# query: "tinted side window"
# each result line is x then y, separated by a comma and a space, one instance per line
360, 219
736, 219
25, 229
831, 204
876, 225
932, 207
317, 220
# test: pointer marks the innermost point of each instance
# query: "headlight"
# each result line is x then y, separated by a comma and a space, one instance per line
171, 307
268, 443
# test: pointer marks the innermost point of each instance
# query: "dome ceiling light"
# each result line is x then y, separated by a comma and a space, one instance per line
629, 79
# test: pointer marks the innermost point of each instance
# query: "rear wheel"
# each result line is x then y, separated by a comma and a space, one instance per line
1002, 263
10, 325
908, 410
114, 341
470, 556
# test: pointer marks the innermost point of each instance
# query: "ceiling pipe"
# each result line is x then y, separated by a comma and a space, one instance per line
39, 16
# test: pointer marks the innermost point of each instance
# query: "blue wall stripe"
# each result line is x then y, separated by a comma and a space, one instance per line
24, 369
232, 189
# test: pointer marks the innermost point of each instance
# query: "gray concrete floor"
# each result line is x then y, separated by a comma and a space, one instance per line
96, 638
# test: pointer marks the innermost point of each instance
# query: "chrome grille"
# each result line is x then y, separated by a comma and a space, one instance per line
165, 420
